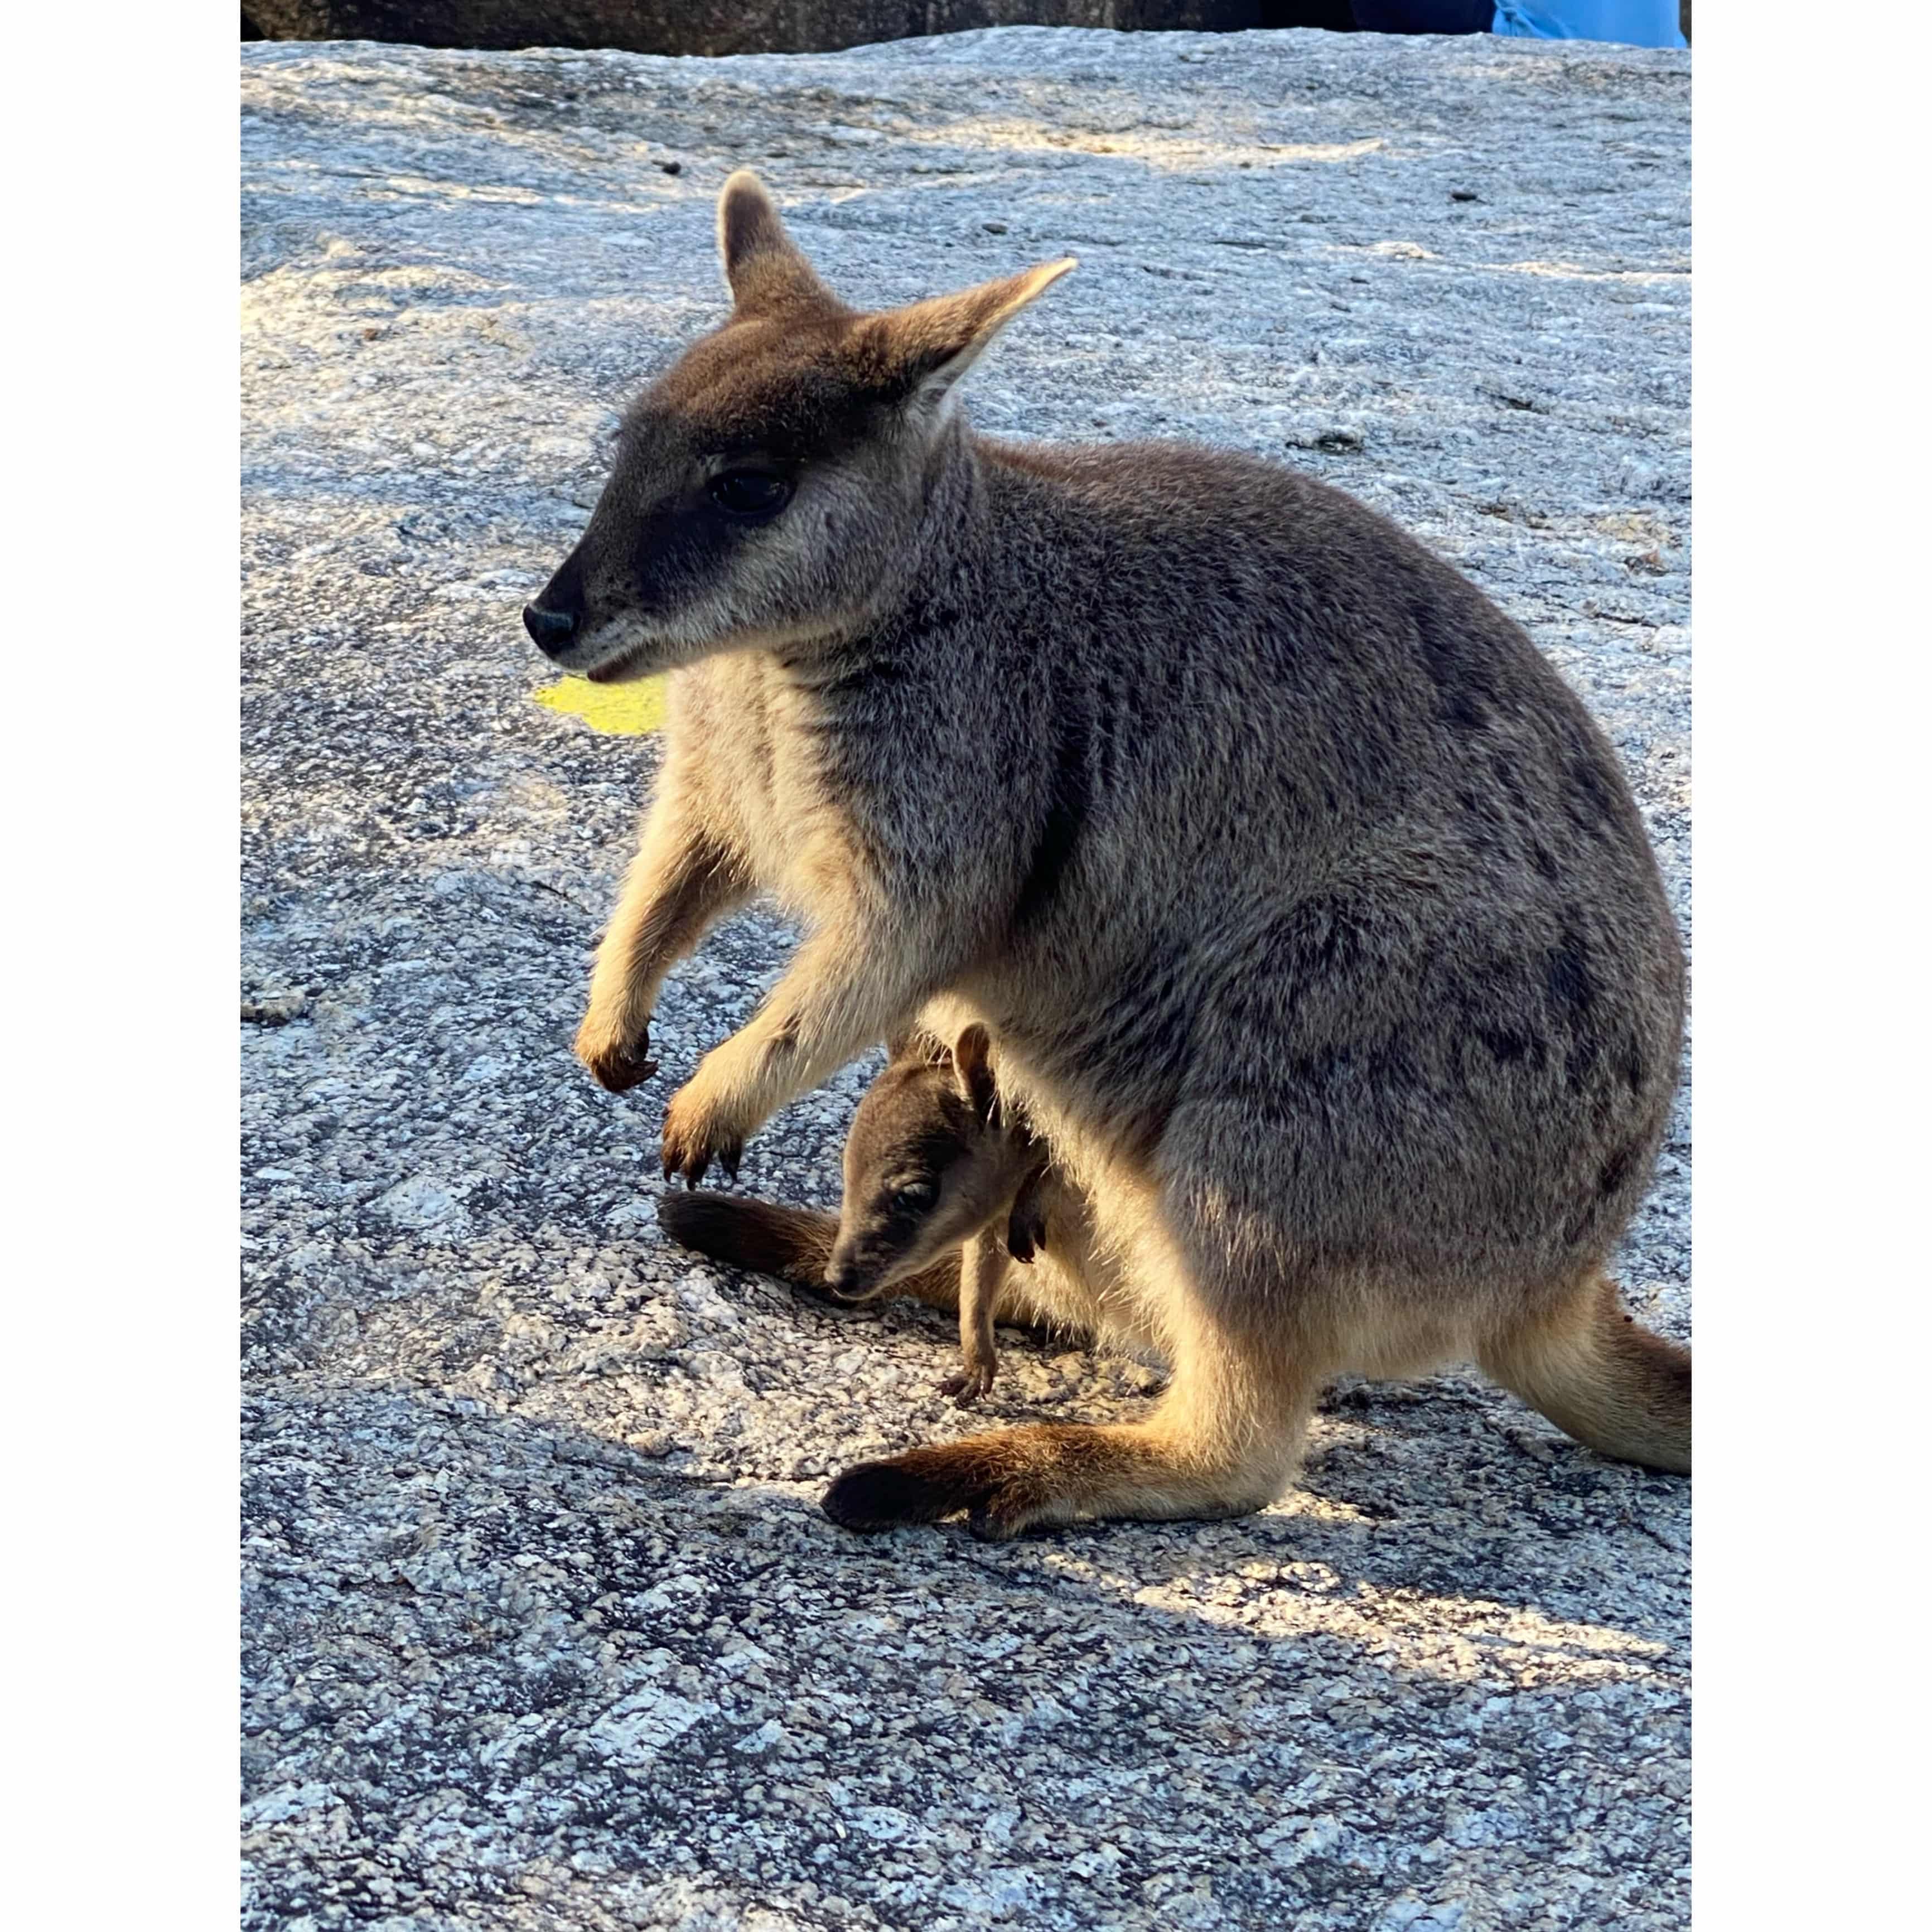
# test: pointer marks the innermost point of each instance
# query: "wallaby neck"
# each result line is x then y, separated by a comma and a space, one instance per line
955, 545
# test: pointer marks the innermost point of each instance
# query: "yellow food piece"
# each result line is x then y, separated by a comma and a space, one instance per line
624, 710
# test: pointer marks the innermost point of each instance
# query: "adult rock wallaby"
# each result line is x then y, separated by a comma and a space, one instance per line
938, 1176
1310, 914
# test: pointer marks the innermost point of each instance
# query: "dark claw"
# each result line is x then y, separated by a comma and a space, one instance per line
966, 1387
683, 1160
620, 1075
690, 1170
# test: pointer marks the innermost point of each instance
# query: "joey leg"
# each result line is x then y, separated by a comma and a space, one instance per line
981, 1263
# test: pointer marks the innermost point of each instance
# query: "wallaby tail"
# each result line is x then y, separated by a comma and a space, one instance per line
1601, 1378
794, 1244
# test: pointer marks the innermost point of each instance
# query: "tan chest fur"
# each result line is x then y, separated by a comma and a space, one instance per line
740, 748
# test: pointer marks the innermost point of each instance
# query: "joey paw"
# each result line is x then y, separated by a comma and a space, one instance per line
968, 1385
1026, 1227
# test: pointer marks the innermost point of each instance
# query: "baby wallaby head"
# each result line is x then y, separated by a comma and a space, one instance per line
769, 488
928, 1162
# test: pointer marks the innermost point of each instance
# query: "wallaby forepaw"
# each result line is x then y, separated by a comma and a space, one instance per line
693, 1137
1026, 1227
617, 1065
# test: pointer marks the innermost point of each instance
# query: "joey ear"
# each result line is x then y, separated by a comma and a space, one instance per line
763, 266
973, 1069
923, 350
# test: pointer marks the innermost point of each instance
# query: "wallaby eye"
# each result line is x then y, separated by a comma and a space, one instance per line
915, 1197
753, 494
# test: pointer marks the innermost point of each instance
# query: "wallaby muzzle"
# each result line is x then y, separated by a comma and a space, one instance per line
551, 630
847, 1281
555, 615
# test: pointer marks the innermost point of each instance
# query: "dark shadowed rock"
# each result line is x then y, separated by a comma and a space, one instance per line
718, 26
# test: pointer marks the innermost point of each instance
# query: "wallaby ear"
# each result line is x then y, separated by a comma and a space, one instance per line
973, 1069
923, 350
763, 266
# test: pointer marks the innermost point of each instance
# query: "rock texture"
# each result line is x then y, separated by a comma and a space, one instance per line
542, 1627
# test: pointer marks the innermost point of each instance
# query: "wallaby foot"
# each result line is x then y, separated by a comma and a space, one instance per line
1601, 1378
1207, 1452
1043, 1473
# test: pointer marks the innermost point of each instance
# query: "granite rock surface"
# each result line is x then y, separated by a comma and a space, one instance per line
542, 1628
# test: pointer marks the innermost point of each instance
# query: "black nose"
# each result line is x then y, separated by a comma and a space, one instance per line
551, 630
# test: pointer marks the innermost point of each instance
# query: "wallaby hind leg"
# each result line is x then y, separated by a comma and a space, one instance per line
1600, 1378
1225, 1440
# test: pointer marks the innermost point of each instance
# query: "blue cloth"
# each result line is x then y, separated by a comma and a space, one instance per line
1636, 23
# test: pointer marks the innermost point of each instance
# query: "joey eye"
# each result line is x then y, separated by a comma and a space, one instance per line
915, 1197
752, 494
